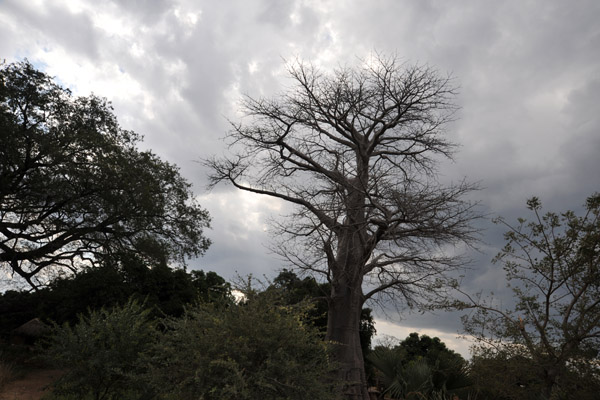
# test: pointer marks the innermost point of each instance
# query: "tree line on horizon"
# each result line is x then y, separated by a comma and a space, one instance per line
354, 151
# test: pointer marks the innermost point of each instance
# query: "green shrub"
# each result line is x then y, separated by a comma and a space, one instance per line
259, 349
102, 353
254, 350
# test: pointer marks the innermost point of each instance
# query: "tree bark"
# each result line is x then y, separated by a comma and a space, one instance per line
343, 325
550, 391
346, 301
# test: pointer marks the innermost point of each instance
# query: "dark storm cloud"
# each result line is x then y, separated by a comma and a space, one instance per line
58, 25
275, 12
520, 68
148, 12
528, 72
580, 151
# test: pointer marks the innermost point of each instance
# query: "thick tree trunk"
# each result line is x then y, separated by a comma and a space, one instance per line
346, 300
550, 390
343, 329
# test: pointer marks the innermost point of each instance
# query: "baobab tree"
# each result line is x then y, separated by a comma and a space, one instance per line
355, 151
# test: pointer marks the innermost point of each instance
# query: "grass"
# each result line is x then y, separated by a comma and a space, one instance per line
7, 372
14, 361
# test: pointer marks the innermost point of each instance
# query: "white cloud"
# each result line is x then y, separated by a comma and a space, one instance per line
240, 215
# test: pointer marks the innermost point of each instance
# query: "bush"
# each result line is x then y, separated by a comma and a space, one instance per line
259, 349
254, 350
102, 353
512, 375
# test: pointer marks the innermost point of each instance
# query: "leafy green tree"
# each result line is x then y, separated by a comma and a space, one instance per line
103, 353
258, 349
355, 152
552, 264
63, 299
420, 366
210, 286
75, 189
168, 290
449, 367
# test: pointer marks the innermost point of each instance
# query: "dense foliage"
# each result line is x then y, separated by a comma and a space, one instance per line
163, 290
75, 189
252, 350
103, 353
506, 375
419, 367
295, 290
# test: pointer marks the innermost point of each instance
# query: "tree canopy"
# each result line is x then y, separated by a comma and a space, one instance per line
162, 290
75, 189
419, 367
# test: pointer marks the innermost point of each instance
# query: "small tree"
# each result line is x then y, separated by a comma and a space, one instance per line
552, 264
74, 188
355, 152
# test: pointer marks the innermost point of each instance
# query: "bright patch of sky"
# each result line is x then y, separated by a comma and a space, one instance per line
387, 331
250, 212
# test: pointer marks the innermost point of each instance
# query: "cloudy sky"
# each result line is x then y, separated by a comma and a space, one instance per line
528, 71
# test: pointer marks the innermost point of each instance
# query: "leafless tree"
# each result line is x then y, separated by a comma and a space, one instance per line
355, 150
